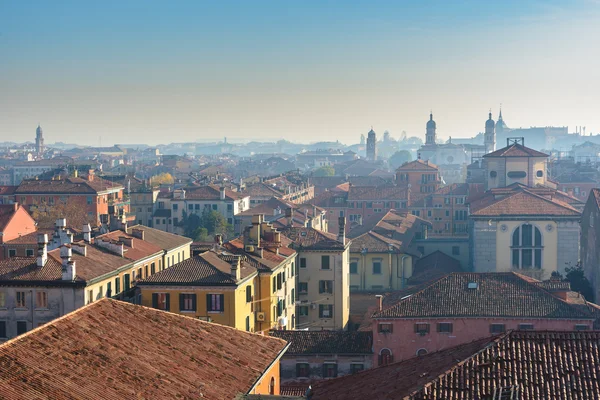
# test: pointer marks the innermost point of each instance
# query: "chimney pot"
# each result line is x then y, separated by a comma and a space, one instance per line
379, 298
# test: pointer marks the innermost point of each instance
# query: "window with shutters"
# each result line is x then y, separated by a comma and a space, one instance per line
187, 302
117, 285
377, 267
325, 311
353, 267
127, 283
215, 303
302, 370
279, 281
325, 286
160, 301
325, 262
274, 284
386, 328
109, 289
21, 300
422, 328
303, 311
247, 323
303, 287
248, 294
330, 370
444, 327
41, 299
153, 268
356, 367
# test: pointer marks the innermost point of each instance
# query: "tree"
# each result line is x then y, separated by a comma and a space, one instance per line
326, 170
579, 283
203, 228
399, 158
160, 179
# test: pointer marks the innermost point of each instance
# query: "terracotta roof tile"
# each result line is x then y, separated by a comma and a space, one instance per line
516, 150
90, 354
326, 342
26, 269
377, 193
161, 239
418, 165
433, 267
313, 239
500, 295
522, 203
141, 248
67, 186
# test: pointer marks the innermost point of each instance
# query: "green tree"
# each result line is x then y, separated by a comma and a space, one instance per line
579, 282
203, 228
326, 170
399, 158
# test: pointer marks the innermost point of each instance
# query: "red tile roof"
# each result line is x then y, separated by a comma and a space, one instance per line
497, 295
67, 186
18, 269
7, 211
211, 192
379, 193
312, 239
522, 203
417, 165
516, 150
141, 248
115, 350
433, 267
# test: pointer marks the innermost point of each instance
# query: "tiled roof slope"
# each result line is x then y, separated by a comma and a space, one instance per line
524, 203
596, 194
395, 380
313, 239
326, 342
161, 239
26, 269
498, 295
90, 354
432, 267
68, 186
516, 150
211, 192
377, 193
417, 165
139, 250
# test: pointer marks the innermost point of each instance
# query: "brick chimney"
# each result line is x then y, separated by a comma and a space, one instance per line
288, 216
42, 257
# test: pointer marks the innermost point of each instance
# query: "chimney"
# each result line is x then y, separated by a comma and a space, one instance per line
138, 233
79, 248
342, 230
42, 249
288, 216
222, 192
314, 211
236, 268
127, 241
15, 206
379, 298
60, 223
87, 233
219, 239
68, 265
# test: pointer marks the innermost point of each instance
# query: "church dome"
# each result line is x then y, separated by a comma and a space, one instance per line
431, 122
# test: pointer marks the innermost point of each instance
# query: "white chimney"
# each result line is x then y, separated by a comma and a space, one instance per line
42, 249
87, 233
236, 268
222, 192
68, 265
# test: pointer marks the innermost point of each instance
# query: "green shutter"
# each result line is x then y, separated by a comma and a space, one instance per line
168, 308
154, 300
194, 302
208, 302
181, 297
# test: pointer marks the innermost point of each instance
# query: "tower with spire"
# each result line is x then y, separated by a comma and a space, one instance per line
501, 125
489, 139
430, 134
371, 145
39, 140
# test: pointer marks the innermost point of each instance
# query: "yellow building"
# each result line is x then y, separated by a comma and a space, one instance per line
382, 253
515, 163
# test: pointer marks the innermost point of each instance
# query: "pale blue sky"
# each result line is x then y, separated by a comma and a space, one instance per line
156, 72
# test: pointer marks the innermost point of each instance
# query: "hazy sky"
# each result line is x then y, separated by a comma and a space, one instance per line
163, 71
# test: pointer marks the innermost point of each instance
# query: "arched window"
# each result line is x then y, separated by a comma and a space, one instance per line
385, 357
527, 247
421, 352
272, 386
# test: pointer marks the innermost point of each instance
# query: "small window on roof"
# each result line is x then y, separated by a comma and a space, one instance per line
302, 233
472, 285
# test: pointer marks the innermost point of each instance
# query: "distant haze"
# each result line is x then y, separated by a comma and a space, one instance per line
159, 72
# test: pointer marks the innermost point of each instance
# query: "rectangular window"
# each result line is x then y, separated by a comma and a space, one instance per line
325, 286
329, 370
324, 262
302, 262
90, 296
455, 251
108, 289
21, 327
279, 281
274, 284
187, 302
325, 310
525, 327
127, 283
385, 328
302, 370
303, 310
3, 329
214, 207
355, 368
41, 299
303, 287
2, 300
29, 252
444, 327
422, 328
175, 207
377, 267
248, 294
152, 268
12, 252
247, 323
90, 200
215, 303
354, 267
117, 285
161, 301
582, 327
21, 301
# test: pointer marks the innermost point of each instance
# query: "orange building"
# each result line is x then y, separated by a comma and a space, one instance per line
15, 222
422, 176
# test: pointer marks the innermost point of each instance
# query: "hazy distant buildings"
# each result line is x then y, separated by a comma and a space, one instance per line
372, 145
448, 153
39, 141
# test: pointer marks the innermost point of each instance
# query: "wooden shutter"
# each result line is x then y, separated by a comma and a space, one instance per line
208, 302
222, 302
181, 302
194, 302
154, 300
168, 307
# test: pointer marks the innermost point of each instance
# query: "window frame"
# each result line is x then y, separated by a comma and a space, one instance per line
185, 298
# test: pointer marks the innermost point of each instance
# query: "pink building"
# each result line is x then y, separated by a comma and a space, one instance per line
462, 307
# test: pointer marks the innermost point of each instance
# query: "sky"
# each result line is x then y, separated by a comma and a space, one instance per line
155, 72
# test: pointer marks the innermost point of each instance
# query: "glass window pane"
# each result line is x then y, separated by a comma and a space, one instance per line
527, 258
515, 240
538, 237
538, 258
526, 238
515, 257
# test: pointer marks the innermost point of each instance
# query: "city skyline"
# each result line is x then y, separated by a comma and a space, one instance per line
149, 73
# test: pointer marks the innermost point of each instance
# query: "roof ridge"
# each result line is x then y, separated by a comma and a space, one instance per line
524, 190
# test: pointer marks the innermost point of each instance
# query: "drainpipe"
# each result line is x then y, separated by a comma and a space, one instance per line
391, 269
